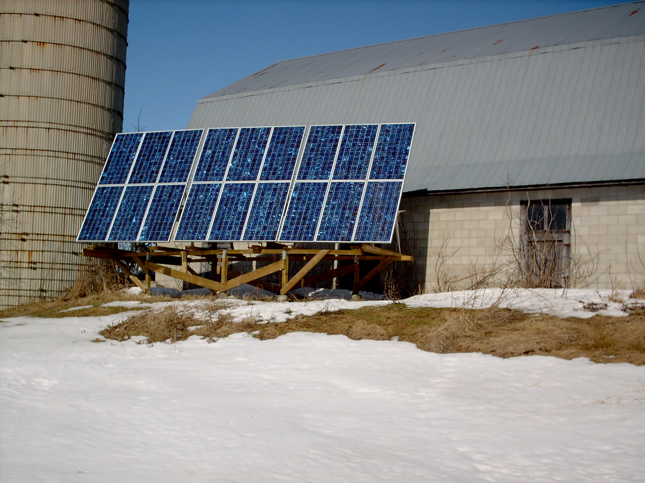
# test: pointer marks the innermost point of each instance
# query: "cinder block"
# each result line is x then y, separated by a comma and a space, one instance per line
636, 209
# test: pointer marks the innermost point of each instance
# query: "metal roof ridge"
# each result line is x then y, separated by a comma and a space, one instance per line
437, 65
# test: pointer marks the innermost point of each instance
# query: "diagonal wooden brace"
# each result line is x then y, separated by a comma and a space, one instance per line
303, 271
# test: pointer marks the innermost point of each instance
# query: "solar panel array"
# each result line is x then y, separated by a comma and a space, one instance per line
342, 184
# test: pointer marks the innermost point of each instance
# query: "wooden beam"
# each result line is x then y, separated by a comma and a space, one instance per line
254, 275
303, 271
384, 263
137, 282
387, 253
186, 277
184, 261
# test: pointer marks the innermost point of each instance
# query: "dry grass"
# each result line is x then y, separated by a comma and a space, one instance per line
500, 332
638, 294
53, 308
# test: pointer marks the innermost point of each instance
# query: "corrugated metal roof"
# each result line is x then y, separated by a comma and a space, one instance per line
597, 24
572, 113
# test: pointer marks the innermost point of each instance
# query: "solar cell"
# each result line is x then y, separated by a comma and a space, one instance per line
355, 152
215, 154
320, 152
341, 209
303, 212
231, 212
392, 151
266, 212
180, 156
162, 213
151, 155
130, 213
198, 212
118, 164
378, 213
248, 154
282, 153
100, 213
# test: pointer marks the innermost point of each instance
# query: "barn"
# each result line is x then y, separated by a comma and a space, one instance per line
528, 161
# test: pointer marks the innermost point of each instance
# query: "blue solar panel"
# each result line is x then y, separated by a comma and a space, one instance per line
303, 212
282, 153
378, 212
130, 214
99, 216
355, 152
266, 212
198, 212
162, 213
248, 154
180, 156
231, 212
215, 154
341, 210
320, 152
153, 149
245, 187
392, 151
119, 162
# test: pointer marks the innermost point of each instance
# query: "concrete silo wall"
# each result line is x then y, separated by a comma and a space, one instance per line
62, 77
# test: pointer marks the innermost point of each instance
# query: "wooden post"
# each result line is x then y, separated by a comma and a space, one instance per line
285, 270
357, 275
184, 261
148, 277
224, 271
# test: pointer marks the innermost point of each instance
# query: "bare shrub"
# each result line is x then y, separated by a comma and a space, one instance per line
96, 277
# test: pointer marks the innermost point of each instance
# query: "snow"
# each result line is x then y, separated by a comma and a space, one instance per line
312, 407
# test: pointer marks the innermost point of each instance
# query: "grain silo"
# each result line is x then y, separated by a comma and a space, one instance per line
62, 76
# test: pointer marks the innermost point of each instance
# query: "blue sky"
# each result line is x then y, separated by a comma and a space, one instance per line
180, 51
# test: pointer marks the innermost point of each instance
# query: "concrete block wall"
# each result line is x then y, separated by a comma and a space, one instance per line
473, 233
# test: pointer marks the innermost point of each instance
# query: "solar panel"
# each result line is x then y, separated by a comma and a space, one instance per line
197, 214
100, 213
150, 157
119, 162
378, 213
303, 212
320, 152
248, 154
266, 212
180, 157
355, 152
335, 183
341, 211
135, 163
216, 154
130, 214
230, 216
162, 212
282, 153
392, 151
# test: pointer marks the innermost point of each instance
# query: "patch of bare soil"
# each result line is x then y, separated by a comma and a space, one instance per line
500, 332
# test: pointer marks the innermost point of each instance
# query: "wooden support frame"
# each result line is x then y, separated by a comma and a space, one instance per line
222, 277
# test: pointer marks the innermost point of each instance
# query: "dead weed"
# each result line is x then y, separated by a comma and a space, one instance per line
495, 331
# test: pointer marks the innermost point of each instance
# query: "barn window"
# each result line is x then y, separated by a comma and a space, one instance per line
546, 242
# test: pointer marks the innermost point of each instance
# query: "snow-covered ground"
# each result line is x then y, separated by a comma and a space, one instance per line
311, 407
